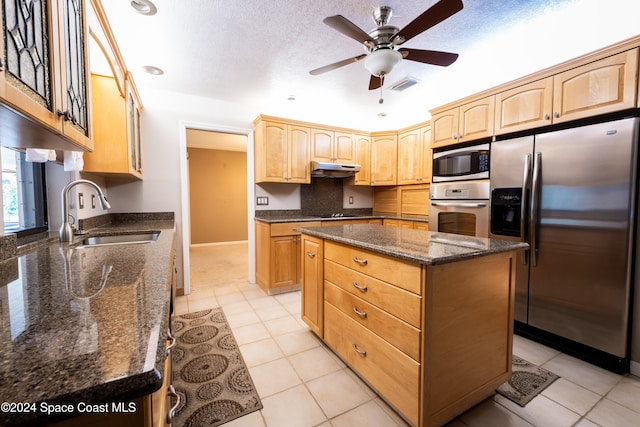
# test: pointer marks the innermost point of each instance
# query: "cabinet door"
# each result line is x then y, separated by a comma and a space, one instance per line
28, 78
476, 119
298, 170
284, 266
525, 107
344, 148
427, 154
363, 158
601, 87
322, 145
133, 127
444, 128
274, 151
71, 55
410, 157
312, 283
384, 160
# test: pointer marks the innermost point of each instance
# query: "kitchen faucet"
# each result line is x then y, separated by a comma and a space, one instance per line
66, 232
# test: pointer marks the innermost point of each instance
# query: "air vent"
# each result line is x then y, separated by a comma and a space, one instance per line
405, 83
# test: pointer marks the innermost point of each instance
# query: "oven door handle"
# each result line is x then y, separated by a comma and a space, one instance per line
458, 205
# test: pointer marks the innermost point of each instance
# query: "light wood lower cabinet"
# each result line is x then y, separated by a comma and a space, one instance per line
432, 340
278, 256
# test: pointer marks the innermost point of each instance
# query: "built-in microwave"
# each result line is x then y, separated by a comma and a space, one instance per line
461, 164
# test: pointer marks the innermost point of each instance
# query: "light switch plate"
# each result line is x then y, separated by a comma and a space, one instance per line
80, 200
262, 200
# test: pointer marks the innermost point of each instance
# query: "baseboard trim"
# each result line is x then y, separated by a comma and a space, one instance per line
200, 245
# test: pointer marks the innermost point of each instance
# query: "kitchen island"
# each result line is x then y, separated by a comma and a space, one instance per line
425, 318
84, 329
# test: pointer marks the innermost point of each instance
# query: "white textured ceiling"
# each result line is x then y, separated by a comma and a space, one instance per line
257, 53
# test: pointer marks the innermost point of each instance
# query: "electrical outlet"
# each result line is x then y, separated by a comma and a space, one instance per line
93, 201
262, 200
80, 201
350, 200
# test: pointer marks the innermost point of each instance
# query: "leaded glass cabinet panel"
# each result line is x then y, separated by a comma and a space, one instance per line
26, 48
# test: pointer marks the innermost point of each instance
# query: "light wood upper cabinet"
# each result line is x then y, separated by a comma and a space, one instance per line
332, 147
53, 91
282, 153
362, 147
384, 159
524, 107
414, 156
603, 86
468, 122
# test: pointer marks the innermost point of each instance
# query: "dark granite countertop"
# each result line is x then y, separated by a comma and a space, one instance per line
274, 219
84, 325
424, 247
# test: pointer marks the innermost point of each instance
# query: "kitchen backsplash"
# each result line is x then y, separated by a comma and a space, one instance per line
322, 197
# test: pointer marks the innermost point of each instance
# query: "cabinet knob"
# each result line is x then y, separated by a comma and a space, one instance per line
556, 114
547, 116
67, 116
311, 254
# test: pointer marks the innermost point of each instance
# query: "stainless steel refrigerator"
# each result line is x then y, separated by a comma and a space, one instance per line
571, 194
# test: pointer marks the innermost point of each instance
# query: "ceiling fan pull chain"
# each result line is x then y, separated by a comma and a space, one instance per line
380, 101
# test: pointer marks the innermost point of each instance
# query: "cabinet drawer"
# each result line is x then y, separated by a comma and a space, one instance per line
398, 302
288, 228
402, 335
392, 270
394, 374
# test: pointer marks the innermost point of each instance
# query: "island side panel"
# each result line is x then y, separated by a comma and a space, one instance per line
311, 262
468, 333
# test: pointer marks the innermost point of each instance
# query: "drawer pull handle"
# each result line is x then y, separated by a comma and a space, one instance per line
357, 350
172, 392
362, 314
360, 261
167, 351
311, 254
360, 288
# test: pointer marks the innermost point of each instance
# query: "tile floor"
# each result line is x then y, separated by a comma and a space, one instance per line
302, 383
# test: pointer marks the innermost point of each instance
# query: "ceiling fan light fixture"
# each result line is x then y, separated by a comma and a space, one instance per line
144, 7
380, 62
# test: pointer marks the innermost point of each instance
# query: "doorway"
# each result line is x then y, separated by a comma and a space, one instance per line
193, 130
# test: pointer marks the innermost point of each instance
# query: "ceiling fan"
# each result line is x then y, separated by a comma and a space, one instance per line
381, 44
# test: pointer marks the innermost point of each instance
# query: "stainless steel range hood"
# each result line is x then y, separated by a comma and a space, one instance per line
333, 170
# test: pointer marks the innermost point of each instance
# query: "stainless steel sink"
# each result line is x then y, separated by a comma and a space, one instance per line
119, 239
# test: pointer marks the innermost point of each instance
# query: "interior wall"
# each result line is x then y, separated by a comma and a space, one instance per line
217, 195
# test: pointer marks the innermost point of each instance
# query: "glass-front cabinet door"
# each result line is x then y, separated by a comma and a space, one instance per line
43, 72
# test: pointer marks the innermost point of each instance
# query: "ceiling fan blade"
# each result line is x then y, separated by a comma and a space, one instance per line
375, 82
335, 65
434, 57
432, 16
348, 28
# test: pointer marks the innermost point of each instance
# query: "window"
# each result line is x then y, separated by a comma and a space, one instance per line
24, 197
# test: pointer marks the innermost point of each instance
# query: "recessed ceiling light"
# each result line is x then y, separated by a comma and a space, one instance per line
144, 7
154, 71
382, 114
291, 98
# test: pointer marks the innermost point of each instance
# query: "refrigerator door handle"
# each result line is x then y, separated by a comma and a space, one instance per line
534, 208
526, 185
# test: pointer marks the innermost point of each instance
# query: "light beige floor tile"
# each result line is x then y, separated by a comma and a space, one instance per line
264, 303
627, 394
572, 396
368, 414
582, 373
292, 408
182, 305
541, 411
202, 304
273, 377
294, 308
390, 412
237, 307
337, 393
253, 293
289, 297
250, 333
253, 419
230, 298
297, 341
491, 414
586, 423
283, 325
610, 414
260, 352
532, 351
225, 289
237, 320
313, 363
271, 313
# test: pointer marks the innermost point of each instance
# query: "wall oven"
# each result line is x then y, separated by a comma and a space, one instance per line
460, 208
461, 164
